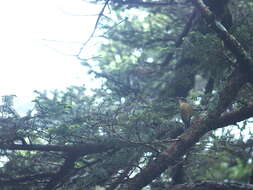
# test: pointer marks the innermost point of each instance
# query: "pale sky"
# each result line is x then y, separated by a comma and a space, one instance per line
36, 39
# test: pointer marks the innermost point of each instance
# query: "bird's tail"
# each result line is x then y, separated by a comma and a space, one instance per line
187, 124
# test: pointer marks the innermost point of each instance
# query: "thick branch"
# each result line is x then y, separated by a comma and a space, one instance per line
168, 157
25, 179
229, 40
88, 148
61, 175
233, 117
212, 185
227, 94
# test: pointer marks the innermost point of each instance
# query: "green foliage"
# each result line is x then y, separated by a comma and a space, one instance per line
135, 112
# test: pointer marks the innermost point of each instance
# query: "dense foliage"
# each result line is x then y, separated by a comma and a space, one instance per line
129, 135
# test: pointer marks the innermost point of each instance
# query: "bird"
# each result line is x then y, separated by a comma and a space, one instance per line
186, 111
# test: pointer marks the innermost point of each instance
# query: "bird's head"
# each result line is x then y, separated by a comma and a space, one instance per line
182, 100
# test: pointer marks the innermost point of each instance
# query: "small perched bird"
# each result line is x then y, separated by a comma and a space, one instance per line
186, 111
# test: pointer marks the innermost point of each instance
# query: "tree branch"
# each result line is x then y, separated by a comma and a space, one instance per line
88, 148
233, 45
179, 39
61, 175
235, 116
94, 30
142, 3
20, 180
212, 185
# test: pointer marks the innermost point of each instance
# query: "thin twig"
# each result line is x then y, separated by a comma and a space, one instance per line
179, 39
95, 28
